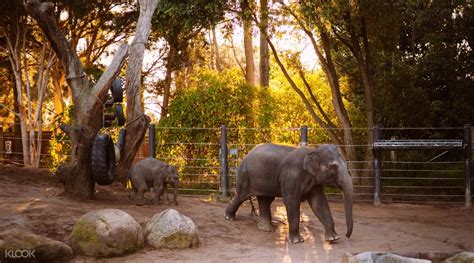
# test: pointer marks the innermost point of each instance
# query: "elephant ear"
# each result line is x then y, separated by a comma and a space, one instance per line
311, 162
171, 171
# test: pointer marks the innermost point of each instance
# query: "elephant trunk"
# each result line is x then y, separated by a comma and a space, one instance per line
175, 191
348, 192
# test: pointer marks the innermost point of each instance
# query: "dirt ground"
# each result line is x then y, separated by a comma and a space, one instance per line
32, 198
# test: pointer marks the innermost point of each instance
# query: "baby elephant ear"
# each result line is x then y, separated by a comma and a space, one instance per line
311, 162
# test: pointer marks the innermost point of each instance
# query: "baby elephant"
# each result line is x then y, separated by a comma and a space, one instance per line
149, 173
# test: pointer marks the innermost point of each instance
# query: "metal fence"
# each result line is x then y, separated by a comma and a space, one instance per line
207, 159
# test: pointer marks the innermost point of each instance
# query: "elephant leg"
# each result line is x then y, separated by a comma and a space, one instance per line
320, 207
164, 194
234, 205
293, 212
158, 190
242, 194
132, 194
265, 218
139, 196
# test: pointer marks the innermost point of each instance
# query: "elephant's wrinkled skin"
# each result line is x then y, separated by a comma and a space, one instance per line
152, 173
296, 174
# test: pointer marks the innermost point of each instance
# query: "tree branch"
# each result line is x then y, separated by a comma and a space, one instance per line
43, 13
105, 81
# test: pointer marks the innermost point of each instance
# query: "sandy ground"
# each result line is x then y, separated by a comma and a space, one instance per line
32, 198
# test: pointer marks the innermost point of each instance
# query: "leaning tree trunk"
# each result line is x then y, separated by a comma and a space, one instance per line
137, 120
88, 101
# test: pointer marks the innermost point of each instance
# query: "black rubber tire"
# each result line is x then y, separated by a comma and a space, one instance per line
103, 160
119, 115
117, 90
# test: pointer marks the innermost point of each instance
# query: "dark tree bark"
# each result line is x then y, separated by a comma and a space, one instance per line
264, 55
88, 101
137, 120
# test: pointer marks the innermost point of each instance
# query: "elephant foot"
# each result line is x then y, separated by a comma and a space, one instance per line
295, 238
230, 217
140, 203
265, 225
331, 238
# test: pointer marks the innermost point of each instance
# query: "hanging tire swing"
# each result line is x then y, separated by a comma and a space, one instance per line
104, 153
103, 160
117, 91
119, 115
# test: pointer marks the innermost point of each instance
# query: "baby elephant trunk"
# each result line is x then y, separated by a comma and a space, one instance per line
175, 191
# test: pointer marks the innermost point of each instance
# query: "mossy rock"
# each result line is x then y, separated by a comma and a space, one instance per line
106, 233
36, 248
464, 257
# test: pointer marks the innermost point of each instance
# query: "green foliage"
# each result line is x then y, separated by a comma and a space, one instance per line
212, 100
60, 145
178, 22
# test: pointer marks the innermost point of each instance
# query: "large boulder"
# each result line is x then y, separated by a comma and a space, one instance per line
373, 257
18, 244
464, 257
171, 229
106, 233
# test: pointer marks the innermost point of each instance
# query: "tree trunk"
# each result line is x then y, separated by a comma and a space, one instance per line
338, 104
264, 55
323, 52
310, 109
248, 43
15, 43
361, 54
88, 101
167, 82
137, 120
216, 49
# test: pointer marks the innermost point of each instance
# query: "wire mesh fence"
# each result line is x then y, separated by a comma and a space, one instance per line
425, 176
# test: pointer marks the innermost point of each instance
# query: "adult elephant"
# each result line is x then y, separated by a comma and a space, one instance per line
296, 174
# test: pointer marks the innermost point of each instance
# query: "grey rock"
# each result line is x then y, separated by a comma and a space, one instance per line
393, 258
374, 257
19, 244
106, 233
171, 229
464, 257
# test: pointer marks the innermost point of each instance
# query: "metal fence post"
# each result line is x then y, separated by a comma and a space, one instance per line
151, 138
224, 163
377, 172
467, 164
304, 135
